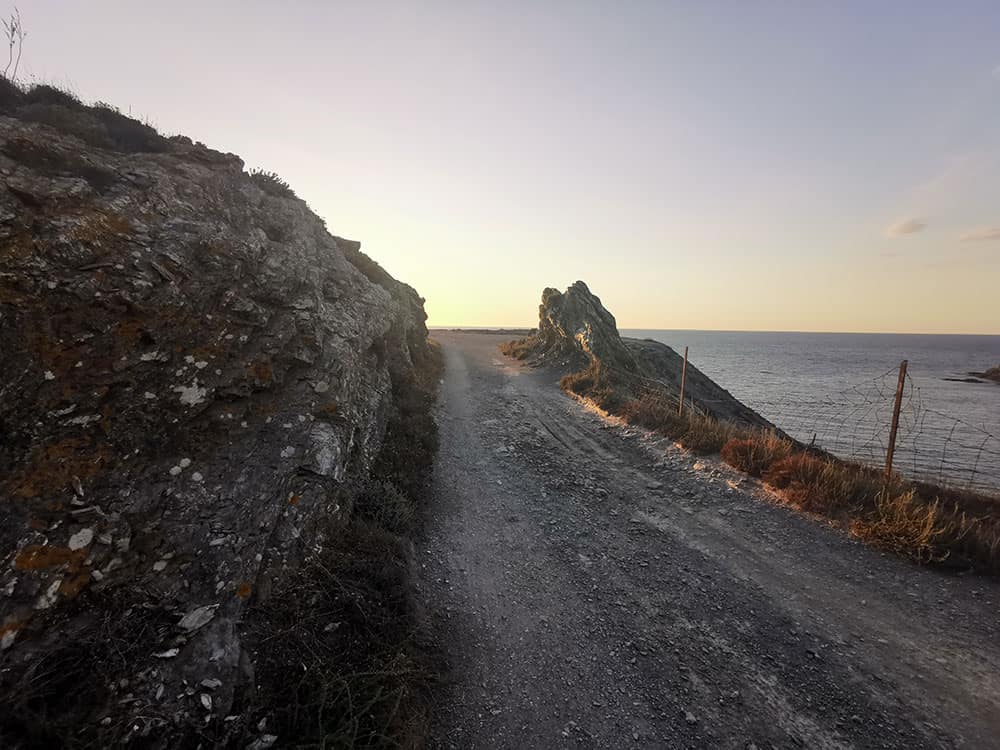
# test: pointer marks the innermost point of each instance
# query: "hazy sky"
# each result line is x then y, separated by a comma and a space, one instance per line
734, 165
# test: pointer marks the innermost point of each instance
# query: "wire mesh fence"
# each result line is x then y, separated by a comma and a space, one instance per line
854, 423
931, 445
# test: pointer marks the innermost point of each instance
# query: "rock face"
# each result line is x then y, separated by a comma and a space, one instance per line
192, 369
575, 328
575, 322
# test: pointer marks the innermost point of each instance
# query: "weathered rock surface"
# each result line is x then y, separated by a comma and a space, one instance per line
192, 368
575, 323
575, 328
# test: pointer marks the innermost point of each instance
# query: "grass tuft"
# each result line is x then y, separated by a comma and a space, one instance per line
757, 453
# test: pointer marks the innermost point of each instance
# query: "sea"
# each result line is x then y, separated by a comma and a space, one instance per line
837, 390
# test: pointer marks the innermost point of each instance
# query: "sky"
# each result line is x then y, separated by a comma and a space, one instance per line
701, 165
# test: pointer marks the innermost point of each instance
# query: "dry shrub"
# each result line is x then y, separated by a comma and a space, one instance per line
518, 348
924, 522
581, 383
338, 657
756, 452
824, 485
386, 506
597, 383
654, 413
58, 698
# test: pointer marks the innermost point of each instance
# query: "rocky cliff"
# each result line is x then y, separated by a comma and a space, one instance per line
192, 371
575, 329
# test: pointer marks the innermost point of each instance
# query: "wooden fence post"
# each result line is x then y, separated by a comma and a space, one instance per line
684, 372
895, 419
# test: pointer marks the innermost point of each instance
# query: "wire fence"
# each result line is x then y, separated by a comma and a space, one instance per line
931, 445
855, 423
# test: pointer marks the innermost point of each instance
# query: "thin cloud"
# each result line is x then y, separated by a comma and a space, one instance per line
979, 235
905, 227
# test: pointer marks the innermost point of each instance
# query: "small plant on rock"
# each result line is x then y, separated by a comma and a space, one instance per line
13, 29
271, 184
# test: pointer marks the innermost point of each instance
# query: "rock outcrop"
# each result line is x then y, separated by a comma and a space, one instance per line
192, 369
575, 323
991, 374
575, 329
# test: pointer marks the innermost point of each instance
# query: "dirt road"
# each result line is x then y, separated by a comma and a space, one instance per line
594, 587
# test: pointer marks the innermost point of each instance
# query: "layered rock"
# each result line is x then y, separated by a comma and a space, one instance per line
575, 323
192, 369
574, 328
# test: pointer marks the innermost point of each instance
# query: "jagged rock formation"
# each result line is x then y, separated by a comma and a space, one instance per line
192, 369
575, 328
575, 323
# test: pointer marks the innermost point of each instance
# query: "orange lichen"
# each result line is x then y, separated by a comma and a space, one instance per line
42, 556
13, 626
19, 247
129, 330
328, 410
74, 584
294, 499
262, 372
265, 408
244, 590
51, 467
49, 353
98, 226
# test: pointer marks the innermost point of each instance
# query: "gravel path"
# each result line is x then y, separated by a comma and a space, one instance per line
595, 587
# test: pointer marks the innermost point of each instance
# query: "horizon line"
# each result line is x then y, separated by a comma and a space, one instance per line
723, 330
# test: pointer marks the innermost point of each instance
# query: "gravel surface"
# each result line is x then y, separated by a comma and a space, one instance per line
593, 586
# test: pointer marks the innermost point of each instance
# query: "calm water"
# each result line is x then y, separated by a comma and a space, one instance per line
839, 387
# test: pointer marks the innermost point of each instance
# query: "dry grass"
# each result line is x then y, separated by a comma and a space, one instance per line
600, 385
705, 435
756, 453
519, 348
654, 413
924, 522
928, 524
902, 523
